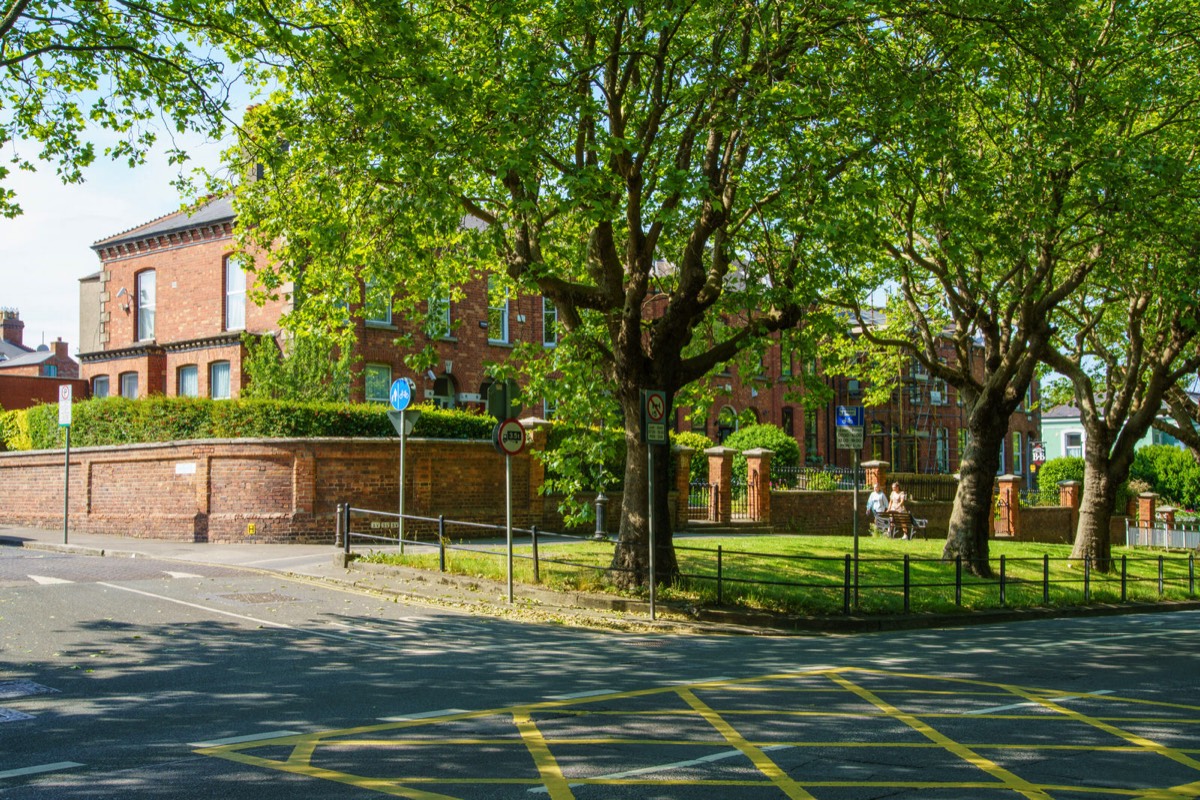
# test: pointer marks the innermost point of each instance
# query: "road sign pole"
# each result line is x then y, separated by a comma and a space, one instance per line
508, 522
855, 530
650, 507
400, 519
67, 484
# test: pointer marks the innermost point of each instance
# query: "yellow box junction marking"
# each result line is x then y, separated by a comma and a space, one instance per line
877, 695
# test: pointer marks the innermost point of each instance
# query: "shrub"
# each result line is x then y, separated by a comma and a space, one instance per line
698, 472
822, 482
14, 430
769, 437
1057, 470
1170, 471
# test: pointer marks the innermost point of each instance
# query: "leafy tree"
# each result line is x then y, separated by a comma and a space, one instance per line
652, 170
1041, 133
311, 369
1171, 472
1123, 343
1184, 423
67, 67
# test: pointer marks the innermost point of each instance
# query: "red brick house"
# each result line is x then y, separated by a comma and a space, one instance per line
32, 375
173, 306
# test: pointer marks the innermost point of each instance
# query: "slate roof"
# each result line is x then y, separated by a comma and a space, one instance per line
25, 358
9, 350
219, 209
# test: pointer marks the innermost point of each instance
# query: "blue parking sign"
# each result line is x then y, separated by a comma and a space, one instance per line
401, 394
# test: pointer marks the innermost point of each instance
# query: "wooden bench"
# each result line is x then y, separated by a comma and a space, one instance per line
899, 525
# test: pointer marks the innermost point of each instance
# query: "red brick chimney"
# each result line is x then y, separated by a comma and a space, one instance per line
10, 321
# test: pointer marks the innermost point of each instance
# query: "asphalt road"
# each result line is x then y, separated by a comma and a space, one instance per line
142, 678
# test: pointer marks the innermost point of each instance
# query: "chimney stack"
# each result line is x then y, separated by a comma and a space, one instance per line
13, 328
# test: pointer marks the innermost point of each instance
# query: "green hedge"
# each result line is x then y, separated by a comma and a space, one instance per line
768, 437
1057, 470
1171, 472
115, 421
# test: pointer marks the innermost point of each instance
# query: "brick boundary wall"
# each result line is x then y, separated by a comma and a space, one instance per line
213, 490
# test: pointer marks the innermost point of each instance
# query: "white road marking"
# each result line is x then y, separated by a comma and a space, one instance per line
209, 609
310, 557
996, 709
8, 715
45, 581
183, 574
677, 765
16, 773
445, 712
11, 690
577, 695
252, 737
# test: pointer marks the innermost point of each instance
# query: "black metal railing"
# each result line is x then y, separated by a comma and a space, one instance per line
888, 584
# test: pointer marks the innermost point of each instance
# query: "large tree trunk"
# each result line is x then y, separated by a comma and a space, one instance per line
1092, 536
631, 558
970, 519
1105, 469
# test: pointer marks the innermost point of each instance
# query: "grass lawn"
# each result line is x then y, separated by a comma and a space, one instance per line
807, 574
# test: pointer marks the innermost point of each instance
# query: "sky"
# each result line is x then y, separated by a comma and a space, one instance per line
45, 251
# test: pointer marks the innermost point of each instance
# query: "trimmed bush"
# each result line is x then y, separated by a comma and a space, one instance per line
1171, 472
768, 437
116, 421
1057, 470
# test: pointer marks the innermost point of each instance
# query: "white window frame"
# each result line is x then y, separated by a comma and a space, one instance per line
438, 317
235, 294
549, 314
372, 295
942, 452
1018, 453
146, 289
1067, 448
214, 385
194, 371
97, 382
128, 382
384, 370
499, 313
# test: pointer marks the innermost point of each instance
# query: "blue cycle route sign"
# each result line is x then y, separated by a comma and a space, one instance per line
850, 416
400, 394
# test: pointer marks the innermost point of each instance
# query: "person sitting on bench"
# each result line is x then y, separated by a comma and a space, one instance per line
901, 518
